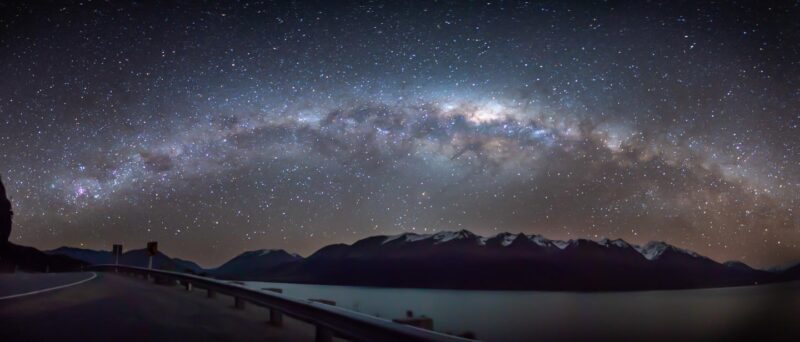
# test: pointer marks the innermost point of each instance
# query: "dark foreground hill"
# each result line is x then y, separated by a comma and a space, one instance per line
21, 258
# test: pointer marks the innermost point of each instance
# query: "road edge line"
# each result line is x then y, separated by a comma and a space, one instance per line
94, 275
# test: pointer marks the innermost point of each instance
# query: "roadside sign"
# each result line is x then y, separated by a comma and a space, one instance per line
152, 248
116, 250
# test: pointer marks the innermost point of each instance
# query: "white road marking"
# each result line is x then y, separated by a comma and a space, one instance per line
94, 275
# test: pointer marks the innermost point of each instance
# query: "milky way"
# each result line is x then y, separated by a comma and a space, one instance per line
218, 129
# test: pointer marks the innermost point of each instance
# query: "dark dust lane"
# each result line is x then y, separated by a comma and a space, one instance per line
112, 308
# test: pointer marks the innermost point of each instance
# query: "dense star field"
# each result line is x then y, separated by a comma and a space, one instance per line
217, 129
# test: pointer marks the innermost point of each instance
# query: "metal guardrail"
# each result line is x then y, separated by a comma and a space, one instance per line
329, 320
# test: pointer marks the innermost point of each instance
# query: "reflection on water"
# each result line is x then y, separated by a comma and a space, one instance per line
727, 313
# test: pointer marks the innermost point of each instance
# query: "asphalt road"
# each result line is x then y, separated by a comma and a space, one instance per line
112, 307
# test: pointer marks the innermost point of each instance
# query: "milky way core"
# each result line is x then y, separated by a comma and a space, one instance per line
215, 129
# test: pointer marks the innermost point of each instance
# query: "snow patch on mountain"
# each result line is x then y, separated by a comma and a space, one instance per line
443, 237
654, 249
616, 243
264, 252
440, 237
406, 237
561, 244
541, 240
507, 238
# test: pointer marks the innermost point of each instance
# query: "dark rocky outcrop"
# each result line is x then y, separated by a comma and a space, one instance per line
14, 257
5, 215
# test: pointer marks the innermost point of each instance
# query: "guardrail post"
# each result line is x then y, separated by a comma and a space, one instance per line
188, 285
323, 334
238, 303
275, 317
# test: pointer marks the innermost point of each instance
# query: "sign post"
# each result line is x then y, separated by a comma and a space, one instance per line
152, 249
117, 251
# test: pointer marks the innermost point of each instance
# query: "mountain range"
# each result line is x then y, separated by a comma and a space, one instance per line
463, 260
137, 257
28, 259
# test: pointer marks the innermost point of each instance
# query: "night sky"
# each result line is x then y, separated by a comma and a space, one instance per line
215, 129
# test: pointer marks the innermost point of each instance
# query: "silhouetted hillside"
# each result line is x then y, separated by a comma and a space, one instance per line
30, 259
793, 272
251, 263
136, 257
86, 255
188, 266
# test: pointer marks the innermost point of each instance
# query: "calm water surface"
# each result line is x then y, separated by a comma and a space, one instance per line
524, 315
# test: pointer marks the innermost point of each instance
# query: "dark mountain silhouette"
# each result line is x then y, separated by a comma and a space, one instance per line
463, 260
86, 255
140, 258
255, 262
14, 257
189, 266
137, 257
793, 272
240, 267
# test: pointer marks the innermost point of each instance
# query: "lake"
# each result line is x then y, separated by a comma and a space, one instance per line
725, 313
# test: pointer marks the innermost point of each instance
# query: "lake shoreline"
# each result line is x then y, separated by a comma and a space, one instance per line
524, 315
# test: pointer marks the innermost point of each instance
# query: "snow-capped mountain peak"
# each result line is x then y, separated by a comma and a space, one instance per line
540, 240
654, 249
560, 244
446, 236
406, 237
651, 251
264, 252
440, 237
507, 238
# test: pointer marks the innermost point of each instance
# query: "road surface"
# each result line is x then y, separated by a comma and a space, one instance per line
112, 307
